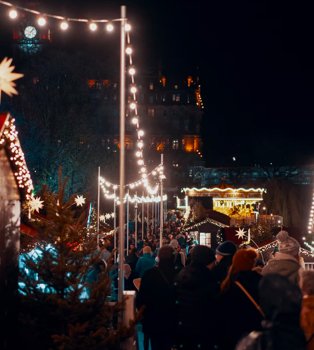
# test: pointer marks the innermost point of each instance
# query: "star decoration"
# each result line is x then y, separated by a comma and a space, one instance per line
102, 218
35, 204
7, 78
108, 216
80, 200
241, 233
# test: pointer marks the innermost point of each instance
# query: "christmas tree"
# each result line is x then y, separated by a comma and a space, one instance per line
64, 286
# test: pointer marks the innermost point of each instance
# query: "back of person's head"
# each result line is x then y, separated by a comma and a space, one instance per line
166, 254
174, 243
287, 244
307, 282
147, 249
226, 248
279, 298
202, 255
244, 260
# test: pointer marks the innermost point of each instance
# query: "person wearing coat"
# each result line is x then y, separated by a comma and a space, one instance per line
156, 299
145, 262
286, 261
196, 299
239, 312
280, 300
307, 311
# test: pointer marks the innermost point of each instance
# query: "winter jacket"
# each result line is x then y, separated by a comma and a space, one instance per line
196, 302
144, 263
284, 265
237, 314
307, 320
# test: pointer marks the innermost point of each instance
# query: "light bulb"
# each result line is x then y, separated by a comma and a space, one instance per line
128, 50
140, 133
134, 120
140, 144
12, 13
127, 27
132, 105
64, 25
93, 26
41, 21
109, 27
133, 89
132, 71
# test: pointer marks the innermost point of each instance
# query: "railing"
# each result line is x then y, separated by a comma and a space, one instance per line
309, 265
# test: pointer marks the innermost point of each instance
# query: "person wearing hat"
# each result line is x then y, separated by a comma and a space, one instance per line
156, 298
224, 255
286, 261
239, 296
280, 300
196, 299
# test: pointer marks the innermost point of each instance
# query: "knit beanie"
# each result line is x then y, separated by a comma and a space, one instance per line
287, 244
226, 248
244, 260
202, 255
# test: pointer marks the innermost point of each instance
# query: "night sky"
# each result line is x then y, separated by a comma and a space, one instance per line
255, 61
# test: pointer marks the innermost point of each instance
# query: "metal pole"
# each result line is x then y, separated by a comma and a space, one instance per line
161, 203
122, 156
135, 220
98, 206
143, 216
148, 228
114, 225
127, 223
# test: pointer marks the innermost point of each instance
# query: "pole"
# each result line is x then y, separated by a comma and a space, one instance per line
127, 223
98, 206
143, 216
161, 202
122, 156
135, 220
114, 225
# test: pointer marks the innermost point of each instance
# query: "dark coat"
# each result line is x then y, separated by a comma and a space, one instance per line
220, 270
237, 315
281, 301
197, 295
157, 295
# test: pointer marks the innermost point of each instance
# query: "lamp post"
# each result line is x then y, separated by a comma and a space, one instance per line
122, 156
161, 203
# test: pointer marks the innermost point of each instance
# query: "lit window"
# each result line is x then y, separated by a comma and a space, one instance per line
151, 112
175, 144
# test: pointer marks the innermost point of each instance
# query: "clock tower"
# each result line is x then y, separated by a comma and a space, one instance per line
29, 38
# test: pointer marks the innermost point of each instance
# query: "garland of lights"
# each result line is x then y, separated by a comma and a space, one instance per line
211, 221
310, 225
9, 139
92, 23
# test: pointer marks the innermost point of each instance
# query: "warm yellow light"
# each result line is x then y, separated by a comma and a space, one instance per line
93, 26
140, 144
141, 133
128, 50
132, 105
127, 27
133, 89
132, 71
41, 21
13, 14
140, 162
134, 120
64, 25
109, 27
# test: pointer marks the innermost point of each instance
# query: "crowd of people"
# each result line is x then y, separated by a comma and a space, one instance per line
190, 296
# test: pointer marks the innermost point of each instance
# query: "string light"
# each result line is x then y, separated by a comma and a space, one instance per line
13, 14
9, 140
92, 24
64, 25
